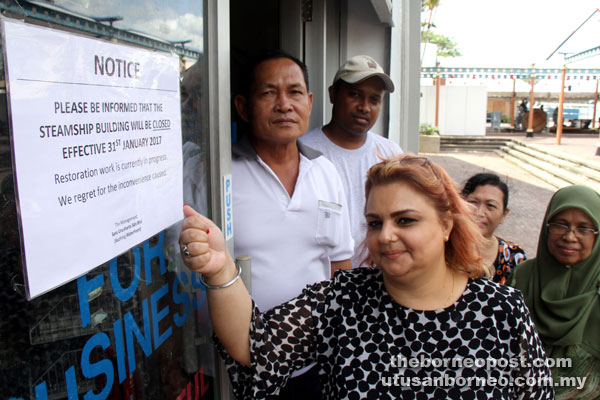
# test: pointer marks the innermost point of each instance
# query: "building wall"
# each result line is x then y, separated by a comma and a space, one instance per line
499, 105
340, 29
363, 33
462, 109
405, 70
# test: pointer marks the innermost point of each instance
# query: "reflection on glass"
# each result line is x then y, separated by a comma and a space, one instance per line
173, 21
135, 327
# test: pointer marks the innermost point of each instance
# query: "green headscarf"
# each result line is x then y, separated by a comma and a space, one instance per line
564, 301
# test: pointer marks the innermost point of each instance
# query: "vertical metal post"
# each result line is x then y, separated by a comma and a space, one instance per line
531, 100
594, 120
217, 53
595, 102
512, 106
405, 70
561, 100
437, 100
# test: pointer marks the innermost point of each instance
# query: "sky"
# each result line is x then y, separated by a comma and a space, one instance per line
165, 19
519, 33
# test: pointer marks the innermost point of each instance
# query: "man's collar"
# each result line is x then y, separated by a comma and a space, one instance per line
243, 149
308, 152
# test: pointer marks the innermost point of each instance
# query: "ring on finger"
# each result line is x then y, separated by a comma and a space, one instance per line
185, 251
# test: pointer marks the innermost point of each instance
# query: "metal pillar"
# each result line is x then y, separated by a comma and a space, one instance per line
595, 102
437, 100
531, 100
512, 106
561, 100
594, 120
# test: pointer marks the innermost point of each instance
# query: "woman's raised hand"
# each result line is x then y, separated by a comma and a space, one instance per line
203, 250
202, 244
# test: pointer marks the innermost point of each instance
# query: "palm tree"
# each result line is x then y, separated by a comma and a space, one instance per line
446, 47
427, 5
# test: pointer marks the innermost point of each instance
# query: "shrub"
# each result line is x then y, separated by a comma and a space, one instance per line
428, 129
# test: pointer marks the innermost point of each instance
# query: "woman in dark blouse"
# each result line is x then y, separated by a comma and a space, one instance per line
489, 196
420, 323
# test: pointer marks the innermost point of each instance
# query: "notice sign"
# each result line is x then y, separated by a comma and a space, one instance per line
97, 148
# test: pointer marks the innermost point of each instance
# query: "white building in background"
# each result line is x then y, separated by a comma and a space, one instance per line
462, 109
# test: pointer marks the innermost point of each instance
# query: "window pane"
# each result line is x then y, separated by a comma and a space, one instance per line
137, 326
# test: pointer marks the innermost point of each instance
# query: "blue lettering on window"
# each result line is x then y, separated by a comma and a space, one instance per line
181, 298
125, 294
92, 370
131, 329
157, 316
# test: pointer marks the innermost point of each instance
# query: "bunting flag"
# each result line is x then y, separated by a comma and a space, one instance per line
510, 73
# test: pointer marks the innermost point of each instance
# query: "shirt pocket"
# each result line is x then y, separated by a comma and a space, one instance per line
329, 224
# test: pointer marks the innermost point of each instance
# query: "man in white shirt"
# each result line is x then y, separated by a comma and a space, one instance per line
357, 94
289, 208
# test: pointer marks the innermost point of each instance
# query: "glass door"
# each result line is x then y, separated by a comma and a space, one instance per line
136, 326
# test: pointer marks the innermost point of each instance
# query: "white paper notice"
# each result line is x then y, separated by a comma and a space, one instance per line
97, 148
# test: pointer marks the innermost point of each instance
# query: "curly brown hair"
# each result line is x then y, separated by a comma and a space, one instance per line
463, 248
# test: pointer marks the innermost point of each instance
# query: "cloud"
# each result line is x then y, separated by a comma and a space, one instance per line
172, 27
151, 17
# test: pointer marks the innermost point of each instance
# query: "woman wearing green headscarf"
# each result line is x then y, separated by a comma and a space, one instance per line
561, 287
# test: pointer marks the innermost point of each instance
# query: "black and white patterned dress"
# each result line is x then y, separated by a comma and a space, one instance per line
362, 341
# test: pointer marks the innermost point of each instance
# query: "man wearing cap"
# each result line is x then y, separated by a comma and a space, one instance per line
357, 94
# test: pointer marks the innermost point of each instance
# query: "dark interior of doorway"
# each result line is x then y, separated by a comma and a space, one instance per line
254, 26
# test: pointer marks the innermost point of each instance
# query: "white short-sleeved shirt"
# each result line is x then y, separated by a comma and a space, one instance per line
291, 241
353, 165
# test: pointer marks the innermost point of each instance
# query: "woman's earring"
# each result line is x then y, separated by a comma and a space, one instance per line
446, 238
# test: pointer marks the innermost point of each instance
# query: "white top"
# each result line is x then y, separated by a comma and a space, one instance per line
291, 241
353, 165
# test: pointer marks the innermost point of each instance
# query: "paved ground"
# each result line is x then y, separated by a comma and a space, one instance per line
529, 195
581, 145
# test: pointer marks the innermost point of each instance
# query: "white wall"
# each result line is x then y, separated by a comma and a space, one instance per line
363, 33
462, 109
405, 71
315, 52
344, 28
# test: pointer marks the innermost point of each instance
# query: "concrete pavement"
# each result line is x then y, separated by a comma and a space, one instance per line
583, 146
529, 195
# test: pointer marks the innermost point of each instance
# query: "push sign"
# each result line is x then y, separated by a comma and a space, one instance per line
227, 210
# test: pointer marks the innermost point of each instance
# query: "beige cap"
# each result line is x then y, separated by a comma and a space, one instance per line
359, 68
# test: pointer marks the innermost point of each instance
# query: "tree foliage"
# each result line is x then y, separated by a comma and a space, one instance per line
429, 5
446, 46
